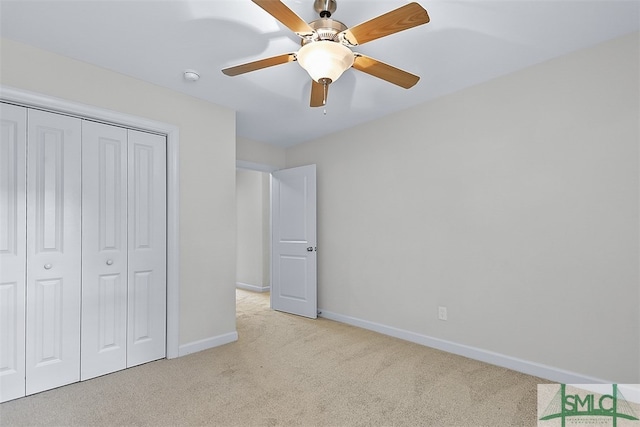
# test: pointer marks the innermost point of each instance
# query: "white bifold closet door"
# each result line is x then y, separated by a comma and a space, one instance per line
147, 219
82, 249
13, 252
53, 251
39, 251
124, 248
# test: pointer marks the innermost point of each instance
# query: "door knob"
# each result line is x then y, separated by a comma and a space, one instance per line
109, 261
310, 249
48, 266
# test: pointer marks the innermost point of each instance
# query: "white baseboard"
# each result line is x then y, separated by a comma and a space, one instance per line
253, 288
207, 343
531, 368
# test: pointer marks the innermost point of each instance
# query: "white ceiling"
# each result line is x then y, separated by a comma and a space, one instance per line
466, 42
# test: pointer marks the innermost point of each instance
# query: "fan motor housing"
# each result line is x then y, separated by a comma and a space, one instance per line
325, 7
327, 29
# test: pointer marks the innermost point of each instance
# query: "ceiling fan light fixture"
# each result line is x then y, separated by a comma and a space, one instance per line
324, 60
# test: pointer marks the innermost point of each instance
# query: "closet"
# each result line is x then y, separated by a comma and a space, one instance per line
82, 249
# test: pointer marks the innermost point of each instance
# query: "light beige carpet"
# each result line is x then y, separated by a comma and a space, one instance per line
287, 370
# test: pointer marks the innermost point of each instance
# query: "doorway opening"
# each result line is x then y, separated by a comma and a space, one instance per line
253, 248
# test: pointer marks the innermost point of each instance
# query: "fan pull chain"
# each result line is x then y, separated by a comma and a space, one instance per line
324, 99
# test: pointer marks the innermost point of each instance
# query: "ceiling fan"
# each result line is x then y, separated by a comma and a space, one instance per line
325, 53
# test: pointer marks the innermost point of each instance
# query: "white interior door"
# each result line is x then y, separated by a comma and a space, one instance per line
104, 249
53, 251
293, 253
146, 330
13, 255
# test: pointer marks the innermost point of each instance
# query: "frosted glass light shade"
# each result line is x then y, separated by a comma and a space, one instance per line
325, 59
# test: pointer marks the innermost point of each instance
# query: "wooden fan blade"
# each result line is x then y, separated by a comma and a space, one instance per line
384, 71
288, 17
319, 94
258, 65
403, 18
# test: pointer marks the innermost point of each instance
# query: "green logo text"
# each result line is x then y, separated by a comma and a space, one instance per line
565, 405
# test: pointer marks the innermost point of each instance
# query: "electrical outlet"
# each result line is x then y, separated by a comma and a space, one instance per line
442, 313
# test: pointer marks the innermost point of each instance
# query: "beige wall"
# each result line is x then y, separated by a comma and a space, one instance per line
260, 153
513, 203
207, 172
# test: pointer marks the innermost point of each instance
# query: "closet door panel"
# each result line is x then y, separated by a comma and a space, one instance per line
53, 251
147, 248
104, 249
13, 144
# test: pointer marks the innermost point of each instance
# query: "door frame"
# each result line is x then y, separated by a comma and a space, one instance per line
171, 132
270, 169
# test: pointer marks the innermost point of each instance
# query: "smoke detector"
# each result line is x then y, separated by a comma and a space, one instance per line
191, 75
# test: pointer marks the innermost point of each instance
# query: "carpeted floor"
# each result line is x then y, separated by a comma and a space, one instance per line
288, 370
